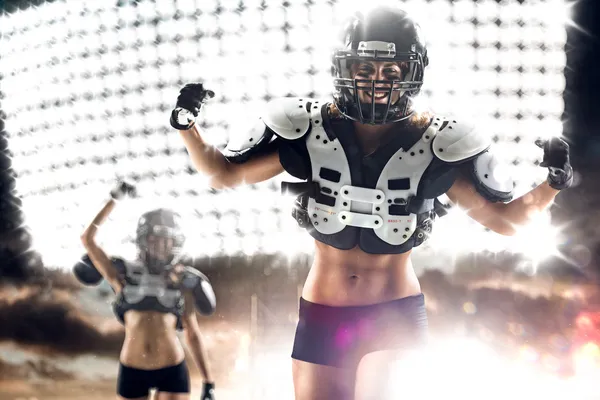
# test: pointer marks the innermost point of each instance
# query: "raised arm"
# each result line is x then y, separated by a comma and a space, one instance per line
207, 159
485, 192
210, 161
98, 257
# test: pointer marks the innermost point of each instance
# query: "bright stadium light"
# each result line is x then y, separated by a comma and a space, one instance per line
468, 367
97, 60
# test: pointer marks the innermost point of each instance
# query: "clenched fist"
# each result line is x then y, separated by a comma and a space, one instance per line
190, 100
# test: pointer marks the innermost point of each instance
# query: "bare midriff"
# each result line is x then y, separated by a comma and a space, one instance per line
352, 277
151, 340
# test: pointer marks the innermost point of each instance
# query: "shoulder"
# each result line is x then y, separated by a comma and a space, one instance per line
290, 117
287, 118
492, 177
191, 277
456, 140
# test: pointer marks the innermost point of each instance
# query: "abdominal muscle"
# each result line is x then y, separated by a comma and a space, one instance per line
151, 340
352, 277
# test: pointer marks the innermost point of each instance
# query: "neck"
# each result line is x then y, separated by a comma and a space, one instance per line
370, 136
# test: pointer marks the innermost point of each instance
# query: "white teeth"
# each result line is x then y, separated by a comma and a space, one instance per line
378, 95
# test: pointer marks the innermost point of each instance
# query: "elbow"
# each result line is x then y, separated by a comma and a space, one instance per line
190, 325
225, 180
217, 183
507, 230
87, 238
511, 226
191, 333
502, 222
503, 227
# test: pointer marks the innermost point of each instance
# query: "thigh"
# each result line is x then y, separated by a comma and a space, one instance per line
322, 382
171, 396
389, 375
373, 375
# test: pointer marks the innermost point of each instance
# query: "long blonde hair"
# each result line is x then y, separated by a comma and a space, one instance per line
421, 119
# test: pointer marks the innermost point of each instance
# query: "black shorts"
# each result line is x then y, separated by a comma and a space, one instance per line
133, 382
342, 336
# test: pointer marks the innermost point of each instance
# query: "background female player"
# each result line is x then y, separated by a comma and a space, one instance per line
156, 296
374, 169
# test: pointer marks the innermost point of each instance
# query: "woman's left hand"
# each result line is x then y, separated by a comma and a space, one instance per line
557, 160
175, 274
208, 391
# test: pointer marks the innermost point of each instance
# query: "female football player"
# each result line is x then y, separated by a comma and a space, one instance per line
155, 297
373, 169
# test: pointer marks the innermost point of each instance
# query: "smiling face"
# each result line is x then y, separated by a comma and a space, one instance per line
378, 71
160, 247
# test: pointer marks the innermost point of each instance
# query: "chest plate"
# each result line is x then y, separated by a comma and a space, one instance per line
147, 292
377, 202
141, 285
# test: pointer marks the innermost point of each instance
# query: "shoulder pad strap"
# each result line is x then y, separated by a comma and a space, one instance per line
119, 265
288, 117
122, 269
132, 270
457, 141
491, 178
440, 207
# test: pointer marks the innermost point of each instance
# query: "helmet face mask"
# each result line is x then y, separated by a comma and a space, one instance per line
160, 247
159, 240
385, 36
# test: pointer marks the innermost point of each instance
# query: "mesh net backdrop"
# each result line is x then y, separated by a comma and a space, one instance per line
89, 85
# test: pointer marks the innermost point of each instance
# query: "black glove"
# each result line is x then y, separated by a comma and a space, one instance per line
189, 101
556, 159
208, 391
123, 189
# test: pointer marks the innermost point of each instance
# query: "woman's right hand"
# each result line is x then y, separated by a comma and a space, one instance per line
123, 189
190, 100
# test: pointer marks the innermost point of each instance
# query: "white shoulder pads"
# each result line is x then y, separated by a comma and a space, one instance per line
288, 117
204, 295
456, 141
243, 143
492, 179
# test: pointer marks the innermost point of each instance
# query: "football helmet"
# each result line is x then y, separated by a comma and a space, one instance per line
154, 230
384, 35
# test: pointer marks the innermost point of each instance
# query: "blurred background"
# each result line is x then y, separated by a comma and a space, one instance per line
86, 88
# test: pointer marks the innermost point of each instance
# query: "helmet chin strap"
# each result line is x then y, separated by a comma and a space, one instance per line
380, 109
154, 265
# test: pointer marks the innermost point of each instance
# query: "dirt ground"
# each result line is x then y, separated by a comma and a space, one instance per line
105, 389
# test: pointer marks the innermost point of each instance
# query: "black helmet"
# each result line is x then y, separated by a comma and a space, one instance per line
162, 223
384, 34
